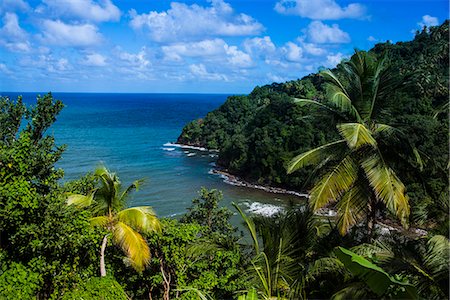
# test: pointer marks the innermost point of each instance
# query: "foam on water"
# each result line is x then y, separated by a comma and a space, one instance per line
263, 209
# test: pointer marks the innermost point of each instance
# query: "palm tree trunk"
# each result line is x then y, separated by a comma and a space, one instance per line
102, 256
370, 220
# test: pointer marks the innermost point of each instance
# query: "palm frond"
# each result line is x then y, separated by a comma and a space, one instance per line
356, 290
437, 256
312, 157
303, 102
81, 200
133, 244
132, 187
356, 135
100, 221
142, 218
251, 227
387, 187
351, 209
334, 184
384, 128
327, 266
342, 102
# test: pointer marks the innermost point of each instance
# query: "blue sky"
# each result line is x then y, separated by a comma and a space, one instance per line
215, 46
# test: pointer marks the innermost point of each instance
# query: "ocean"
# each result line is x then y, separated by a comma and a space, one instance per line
132, 135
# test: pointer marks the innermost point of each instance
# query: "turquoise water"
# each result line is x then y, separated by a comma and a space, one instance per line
128, 133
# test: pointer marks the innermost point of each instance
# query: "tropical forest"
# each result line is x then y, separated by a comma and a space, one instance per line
366, 142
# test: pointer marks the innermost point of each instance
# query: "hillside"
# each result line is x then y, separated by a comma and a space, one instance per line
253, 132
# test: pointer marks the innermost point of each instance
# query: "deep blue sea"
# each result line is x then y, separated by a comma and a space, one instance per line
128, 133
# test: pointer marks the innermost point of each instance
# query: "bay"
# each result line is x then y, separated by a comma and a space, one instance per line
129, 133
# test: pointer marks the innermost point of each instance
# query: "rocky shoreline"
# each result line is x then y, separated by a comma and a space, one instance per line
237, 181
385, 227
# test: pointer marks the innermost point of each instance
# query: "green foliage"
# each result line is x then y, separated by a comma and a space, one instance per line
102, 288
378, 281
187, 257
18, 282
36, 227
205, 211
258, 134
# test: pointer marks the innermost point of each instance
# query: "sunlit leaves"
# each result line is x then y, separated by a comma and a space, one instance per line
133, 244
312, 157
356, 135
334, 184
387, 186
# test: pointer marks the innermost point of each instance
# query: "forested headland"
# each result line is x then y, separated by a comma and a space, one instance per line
368, 139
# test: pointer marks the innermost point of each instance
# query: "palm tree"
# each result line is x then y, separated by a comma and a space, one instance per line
107, 204
357, 175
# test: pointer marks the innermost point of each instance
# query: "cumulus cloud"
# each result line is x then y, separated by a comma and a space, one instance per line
293, 52
318, 32
428, 21
12, 36
313, 49
177, 51
86, 10
193, 22
215, 49
200, 71
134, 60
320, 9
47, 63
238, 58
76, 35
334, 59
94, 60
259, 46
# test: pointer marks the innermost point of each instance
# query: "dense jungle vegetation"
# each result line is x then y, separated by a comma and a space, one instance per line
259, 134
80, 239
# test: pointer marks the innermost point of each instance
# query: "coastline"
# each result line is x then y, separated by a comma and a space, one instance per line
237, 181
385, 227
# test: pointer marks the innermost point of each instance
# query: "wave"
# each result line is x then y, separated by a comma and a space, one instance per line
186, 147
168, 149
263, 209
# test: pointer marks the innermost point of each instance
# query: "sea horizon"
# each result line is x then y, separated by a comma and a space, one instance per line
129, 134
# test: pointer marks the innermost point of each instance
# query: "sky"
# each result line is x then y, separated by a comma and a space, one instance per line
211, 46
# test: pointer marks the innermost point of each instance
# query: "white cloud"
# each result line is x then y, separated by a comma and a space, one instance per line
262, 46
372, 39
276, 78
77, 35
313, 49
216, 50
46, 63
86, 10
204, 48
293, 52
428, 21
12, 36
199, 71
320, 9
334, 59
193, 22
137, 61
321, 33
94, 60
5, 69
238, 58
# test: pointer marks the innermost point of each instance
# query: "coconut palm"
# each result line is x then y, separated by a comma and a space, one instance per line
107, 204
357, 174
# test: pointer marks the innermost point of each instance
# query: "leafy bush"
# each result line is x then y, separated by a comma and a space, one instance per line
101, 288
18, 282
